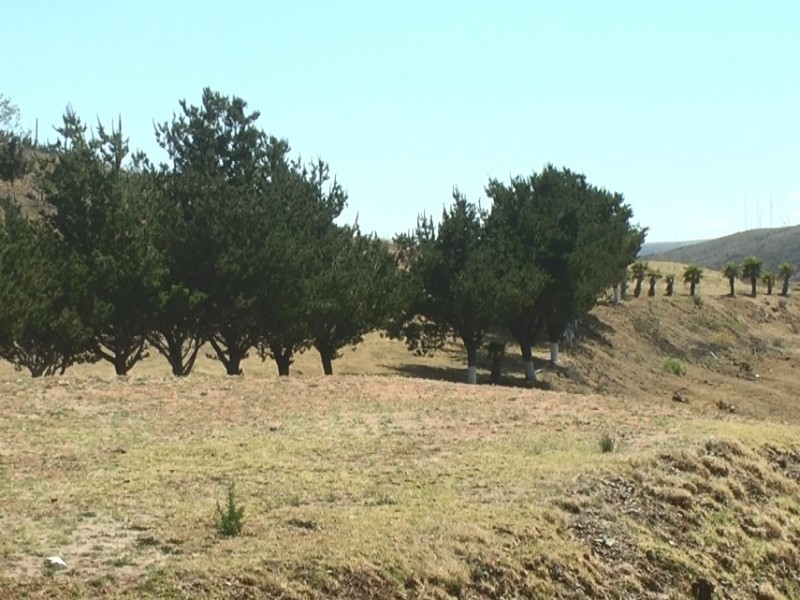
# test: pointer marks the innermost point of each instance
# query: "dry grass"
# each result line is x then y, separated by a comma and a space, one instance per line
369, 484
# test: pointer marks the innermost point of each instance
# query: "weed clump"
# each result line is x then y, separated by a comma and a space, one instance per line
674, 365
607, 443
229, 519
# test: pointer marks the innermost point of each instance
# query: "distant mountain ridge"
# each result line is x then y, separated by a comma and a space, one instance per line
773, 245
650, 248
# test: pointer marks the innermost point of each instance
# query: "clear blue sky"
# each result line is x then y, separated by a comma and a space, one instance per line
690, 109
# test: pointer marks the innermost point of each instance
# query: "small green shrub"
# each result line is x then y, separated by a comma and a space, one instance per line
607, 443
674, 365
230, 518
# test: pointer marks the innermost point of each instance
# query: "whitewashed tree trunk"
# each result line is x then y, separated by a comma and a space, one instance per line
554, 353
530, 372
472, 375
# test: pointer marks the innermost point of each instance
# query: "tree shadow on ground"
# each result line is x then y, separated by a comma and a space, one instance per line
512, 369
594, 330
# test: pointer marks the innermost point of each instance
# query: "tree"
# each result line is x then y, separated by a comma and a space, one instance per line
572, 236
638, 274
9, 114
40, 330
13, 160
352, 292
225, 266
653, 275
309, 202
178, 330
101, 216
751, 270
785, 271
768, 279
670, 279
731, 272
454, 281
692, 275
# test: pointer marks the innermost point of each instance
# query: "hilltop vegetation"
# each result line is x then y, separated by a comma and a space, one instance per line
235, 246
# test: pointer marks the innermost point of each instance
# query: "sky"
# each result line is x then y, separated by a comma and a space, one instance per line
690, 109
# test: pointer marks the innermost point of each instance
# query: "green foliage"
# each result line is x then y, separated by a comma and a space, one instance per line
351, 291
9, 114
233, 243
13, 161
562, 242
751, 271
101, 213
40, 329
229, 259
731, 273
607, 443
653, 275
675, 366
454, 281
230, 517
639, 271
692, 275
768, 279
785, 271
670, 280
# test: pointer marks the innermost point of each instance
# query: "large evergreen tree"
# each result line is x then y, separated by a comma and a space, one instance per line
101, 217
40, 328
352, 292
222, 264
570, 240
454, 280
306, 202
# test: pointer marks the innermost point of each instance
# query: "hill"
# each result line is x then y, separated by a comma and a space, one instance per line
773, 245
617, 478
655, 248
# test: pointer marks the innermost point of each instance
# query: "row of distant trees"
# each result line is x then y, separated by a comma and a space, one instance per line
235, 246
751, 270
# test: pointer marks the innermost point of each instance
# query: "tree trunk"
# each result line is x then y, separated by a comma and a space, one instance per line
637, 291
623, 290
121, 365
652, 291
472, 364
670, 288
753, 285
327, 362
616, 295
733, 287
691, 288
527, 361
179, 348
554, 354
769, 288
497, 369
283, 358
233, 365
231, 349
785, 288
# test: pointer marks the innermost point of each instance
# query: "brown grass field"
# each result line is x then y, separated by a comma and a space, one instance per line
392, 480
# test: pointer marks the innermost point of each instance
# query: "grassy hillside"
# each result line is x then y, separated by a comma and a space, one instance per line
655, 248
774, 246
616, 479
